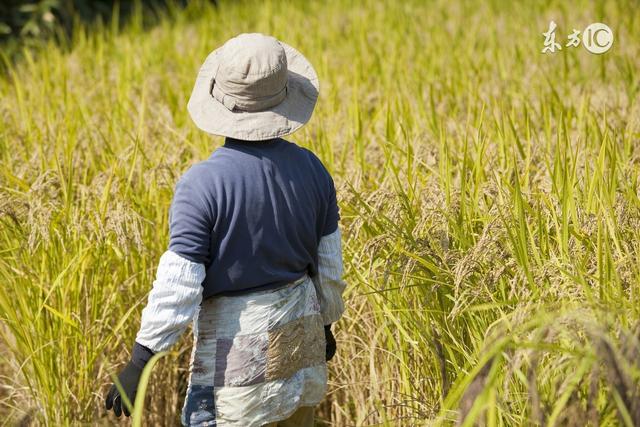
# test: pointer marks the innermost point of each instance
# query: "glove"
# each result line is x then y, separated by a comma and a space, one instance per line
128, 378
331, 343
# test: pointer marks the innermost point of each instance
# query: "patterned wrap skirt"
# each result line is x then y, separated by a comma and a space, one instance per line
256, 358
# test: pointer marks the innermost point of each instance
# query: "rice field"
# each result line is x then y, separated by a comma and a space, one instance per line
488, 192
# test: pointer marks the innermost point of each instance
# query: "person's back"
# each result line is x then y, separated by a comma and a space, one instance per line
265, 207
254, 257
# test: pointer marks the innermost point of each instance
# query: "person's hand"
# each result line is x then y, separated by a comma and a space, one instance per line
331, 343
128, 378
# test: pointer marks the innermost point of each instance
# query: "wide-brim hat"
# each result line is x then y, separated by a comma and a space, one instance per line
254, 87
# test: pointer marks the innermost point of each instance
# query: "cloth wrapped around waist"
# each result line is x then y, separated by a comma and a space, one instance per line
257, 357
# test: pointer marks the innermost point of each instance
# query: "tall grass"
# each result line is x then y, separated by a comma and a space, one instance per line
489, 200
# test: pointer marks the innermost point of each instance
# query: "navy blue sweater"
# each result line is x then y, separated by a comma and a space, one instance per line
253, 214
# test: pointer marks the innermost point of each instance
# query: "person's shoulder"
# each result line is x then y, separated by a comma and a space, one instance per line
210, 167
195, 187
199, 174
195, 172
309, 155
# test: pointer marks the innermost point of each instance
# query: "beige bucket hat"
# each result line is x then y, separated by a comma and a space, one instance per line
254, 87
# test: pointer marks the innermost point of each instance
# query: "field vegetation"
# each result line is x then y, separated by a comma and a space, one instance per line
488, 192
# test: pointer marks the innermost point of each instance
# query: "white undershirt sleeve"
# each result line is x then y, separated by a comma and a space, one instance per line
328, 282
172, 303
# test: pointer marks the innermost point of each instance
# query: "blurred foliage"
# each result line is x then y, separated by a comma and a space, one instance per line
25, 21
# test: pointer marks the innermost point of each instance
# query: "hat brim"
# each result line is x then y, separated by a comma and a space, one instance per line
291, 114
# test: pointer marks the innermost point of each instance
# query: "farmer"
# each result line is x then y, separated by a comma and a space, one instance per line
254, 257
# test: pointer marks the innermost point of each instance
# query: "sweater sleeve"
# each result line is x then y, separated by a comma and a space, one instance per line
328, 282
333, 212
172, 302
190, 220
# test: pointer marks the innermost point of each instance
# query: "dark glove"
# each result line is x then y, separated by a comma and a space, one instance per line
331, 342
128, 378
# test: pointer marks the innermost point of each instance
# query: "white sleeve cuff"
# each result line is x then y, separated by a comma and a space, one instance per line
328, 282
173, 301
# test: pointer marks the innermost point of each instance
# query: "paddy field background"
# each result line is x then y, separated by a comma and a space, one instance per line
488, 193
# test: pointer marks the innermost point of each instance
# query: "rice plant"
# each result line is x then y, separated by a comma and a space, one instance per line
488, 192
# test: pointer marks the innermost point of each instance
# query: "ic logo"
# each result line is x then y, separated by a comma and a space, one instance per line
597, 38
